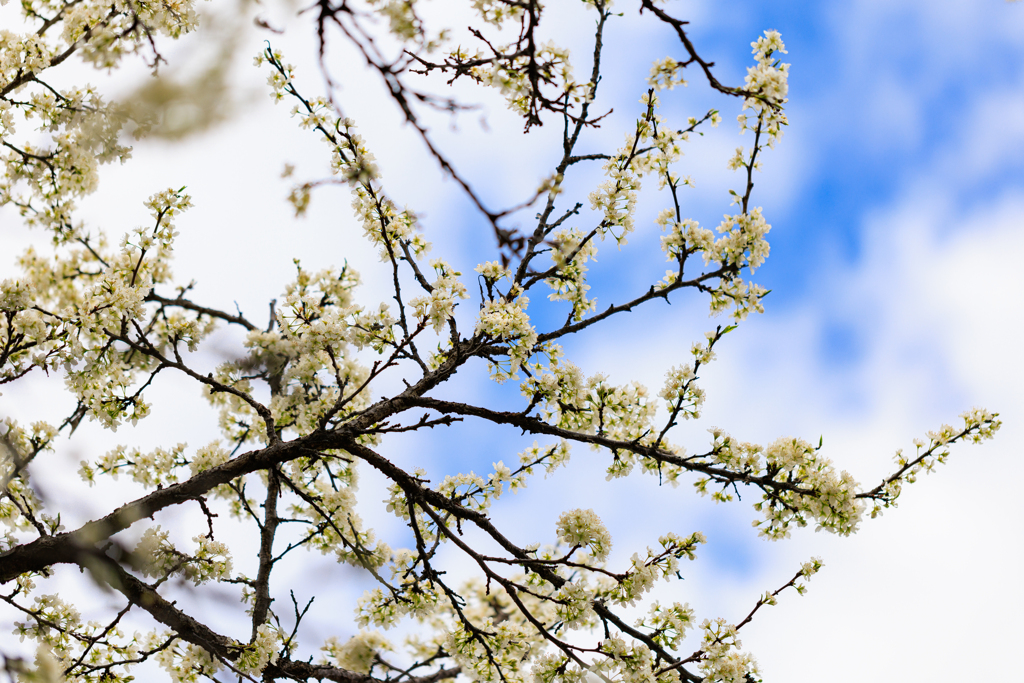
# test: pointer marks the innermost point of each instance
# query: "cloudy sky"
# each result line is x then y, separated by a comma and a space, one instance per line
897, 204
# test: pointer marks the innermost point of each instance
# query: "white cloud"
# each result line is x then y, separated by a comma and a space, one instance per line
915, 591
917, 594
908, 595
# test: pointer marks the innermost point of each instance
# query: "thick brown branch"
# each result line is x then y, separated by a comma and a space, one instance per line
224, 648
261, 603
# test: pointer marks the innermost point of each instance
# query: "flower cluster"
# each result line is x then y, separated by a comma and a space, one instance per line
94, 293
643, 572
185, 662
630, 662
375, 329
767, 87
156, 468
569, 281
208, 457
80, 130
680, 392
575, 605
496, 12
495, 654
742, 245
329, 503
590, 405
419, 599
553, 668
552, 457
156, 556
615, 200
358, 653
807, 570
506, 320
582, 528
668, 624
437, 308
979, 425
514, 77
306, 354
799, 485
263, 650
665, 74
492, 271
722, 661
21, 508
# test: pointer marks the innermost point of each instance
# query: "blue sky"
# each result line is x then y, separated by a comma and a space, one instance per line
897, 204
